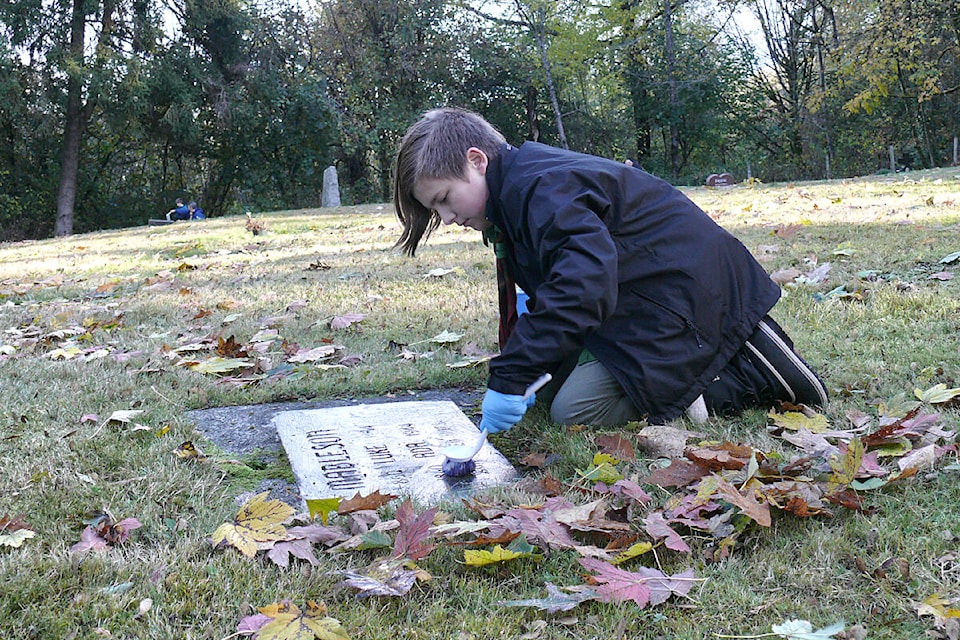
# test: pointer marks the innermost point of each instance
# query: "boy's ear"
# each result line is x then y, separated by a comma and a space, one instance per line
478, 159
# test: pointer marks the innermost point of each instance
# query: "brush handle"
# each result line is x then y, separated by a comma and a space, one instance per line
536, 385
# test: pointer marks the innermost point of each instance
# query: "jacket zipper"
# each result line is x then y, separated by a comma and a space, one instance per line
686, 321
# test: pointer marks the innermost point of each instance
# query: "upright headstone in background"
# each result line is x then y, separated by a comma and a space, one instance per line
331, 188
720, 180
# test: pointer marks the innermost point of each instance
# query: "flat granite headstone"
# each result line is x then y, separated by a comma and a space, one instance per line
393, 447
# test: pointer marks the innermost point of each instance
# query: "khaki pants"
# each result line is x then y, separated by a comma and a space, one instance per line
590, 395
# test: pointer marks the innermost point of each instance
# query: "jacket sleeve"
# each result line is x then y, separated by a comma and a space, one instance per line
562, 245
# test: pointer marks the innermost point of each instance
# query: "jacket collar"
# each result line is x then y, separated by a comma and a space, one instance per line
495, 175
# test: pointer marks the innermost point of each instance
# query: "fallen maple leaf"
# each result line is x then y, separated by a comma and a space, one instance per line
101, 533
285, 621
258, 521
188, 451
656, 525
633, 551
539, 526
344, 321
385, 578
217, 365
757, 511
556, 599
414, 532
617, 446
679, 473
359, 503
301, 548
645, 586
322, 507
630, 489
312, 355
519, 548
845, 469
14, 531
937, 394
939, 607
124, 416
724, 455
794, 421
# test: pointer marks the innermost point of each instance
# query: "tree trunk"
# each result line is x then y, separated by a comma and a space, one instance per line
73, 127
674, 134
533, 122
542, 44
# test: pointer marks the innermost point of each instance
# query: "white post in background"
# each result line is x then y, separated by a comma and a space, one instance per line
893, 160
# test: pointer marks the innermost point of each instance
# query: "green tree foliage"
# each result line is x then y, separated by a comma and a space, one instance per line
903, 59
385, 62
109, 109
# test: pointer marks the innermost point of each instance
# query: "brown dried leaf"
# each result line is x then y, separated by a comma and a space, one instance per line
680, 473
759, 512
617, 446
725, 455
371, 502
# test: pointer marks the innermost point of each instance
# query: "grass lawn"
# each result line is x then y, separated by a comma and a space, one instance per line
128, 321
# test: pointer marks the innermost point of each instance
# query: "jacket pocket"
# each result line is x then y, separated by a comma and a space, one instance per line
671, 316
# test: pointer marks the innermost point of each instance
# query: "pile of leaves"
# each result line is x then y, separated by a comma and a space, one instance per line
720, 491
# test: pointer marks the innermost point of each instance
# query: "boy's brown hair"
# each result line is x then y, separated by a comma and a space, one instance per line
435, 147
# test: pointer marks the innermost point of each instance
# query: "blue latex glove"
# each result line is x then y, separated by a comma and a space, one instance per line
522, 298
501, 411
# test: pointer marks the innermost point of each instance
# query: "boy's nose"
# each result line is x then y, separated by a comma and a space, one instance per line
446, 215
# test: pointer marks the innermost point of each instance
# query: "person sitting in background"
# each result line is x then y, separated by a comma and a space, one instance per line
179, 212
196, 213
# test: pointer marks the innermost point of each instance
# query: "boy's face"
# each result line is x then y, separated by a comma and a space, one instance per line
458, 200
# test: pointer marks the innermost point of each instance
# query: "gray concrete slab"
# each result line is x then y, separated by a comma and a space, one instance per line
392, 447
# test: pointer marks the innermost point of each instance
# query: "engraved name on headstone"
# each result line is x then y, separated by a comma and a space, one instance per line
393, 447
720, 180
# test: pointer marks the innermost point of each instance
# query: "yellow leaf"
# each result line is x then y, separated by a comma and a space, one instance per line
937, 394
323, 507
600, 457
632, 552
189, 451
845, 469
895, 449
794, 421
68, 353
217, 365
290, 623
15, 538
257, 521
497, 554
605, 473
937, 605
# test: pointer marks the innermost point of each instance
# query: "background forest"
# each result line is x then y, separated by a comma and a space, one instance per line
109, 109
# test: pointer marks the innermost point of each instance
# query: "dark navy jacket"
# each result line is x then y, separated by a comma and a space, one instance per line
621, 263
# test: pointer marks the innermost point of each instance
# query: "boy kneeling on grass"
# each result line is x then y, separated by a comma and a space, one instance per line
639, 304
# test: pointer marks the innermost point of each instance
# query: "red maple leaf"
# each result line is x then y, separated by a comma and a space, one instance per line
414, 532
657, 526
646, 586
